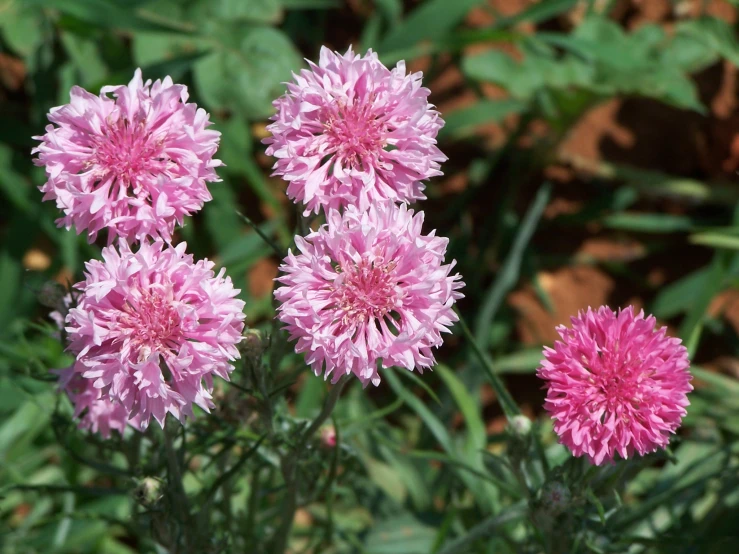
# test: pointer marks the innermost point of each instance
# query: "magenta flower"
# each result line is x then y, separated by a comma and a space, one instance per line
615, 385
135, 163
152, 328
95, 412
352, 132
368, 287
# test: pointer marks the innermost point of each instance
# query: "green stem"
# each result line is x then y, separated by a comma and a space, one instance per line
177, 489
483, 529
510, 409
280, 252
290, 468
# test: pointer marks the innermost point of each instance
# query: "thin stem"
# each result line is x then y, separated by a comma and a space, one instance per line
328, 407
539, 447
280, 252
253, 505
504, 397
176, 487
483, 529
290, 468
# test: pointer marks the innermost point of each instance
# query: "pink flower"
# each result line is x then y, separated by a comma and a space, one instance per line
135, 163
352, 132
152, 328
615, 385
368, 287
95, 411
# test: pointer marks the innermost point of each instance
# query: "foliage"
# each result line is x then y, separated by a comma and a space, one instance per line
422, 464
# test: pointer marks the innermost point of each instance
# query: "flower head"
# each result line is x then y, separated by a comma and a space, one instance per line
95, 411
368, 287
350, 131
135, 163
615, 384
152, 328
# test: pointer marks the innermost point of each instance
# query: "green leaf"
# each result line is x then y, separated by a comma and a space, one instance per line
537, 13
258, 11
246, 69
151, 48
692, 326
590, 495
460, 123
310, 398
599, 57
508, 275
222, 222
679, 295
523, 361
648, 222
310, 4
86, 58
105, 14
21, 27
468, 406
436, 427
728, 239
715, 34
718, 381
387, 478
430, 20
476, 436
399, 535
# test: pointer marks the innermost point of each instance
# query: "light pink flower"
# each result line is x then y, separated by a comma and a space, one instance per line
615, 385
95, 412
349, 131
368, 287
152, 328
135, 163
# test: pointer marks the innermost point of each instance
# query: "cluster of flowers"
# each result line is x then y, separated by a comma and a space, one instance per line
367, 289
149, 326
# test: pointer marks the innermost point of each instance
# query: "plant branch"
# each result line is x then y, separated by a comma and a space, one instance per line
483, 529
290, 468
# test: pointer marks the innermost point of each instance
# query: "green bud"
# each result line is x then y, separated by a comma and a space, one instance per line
555, 497
254, 344
148, 491
520, 426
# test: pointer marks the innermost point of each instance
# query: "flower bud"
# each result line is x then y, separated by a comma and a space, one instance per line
148, 491
254, 344
555, 497
328, 436
520, 426
52, 295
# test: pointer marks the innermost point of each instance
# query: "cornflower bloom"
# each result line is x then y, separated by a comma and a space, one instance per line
368, 288
151, 328
135, 163
615, 384
350, 131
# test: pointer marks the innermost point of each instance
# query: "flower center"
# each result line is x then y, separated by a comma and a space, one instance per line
617, 380
126, 149
355, 134
152, 325
365, 291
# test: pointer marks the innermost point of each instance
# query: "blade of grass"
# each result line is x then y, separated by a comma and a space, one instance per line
272, 244
510, 409
716, 240
509, 273
692, 325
